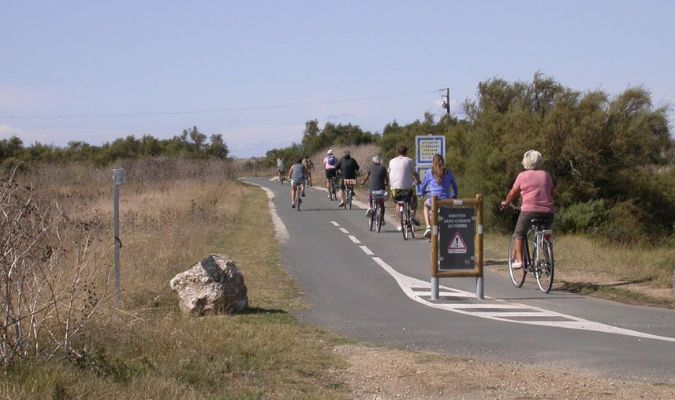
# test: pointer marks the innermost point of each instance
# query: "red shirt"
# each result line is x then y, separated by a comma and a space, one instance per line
536, 189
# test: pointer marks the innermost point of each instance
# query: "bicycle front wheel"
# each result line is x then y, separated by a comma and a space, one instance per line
545, 267
517, 274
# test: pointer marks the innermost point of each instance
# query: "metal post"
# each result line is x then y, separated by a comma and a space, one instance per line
116, 238
434, 289
479, 289
119, 178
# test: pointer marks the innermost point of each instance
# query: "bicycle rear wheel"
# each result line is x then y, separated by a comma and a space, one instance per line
404, 225
411, 225
517, 274
545, 267
378, 217
371, 220
298, 200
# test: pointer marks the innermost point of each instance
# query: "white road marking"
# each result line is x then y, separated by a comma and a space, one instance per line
420, 291
334, 223
407, 284
279, 228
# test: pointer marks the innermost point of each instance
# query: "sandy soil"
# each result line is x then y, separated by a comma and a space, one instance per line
383, 374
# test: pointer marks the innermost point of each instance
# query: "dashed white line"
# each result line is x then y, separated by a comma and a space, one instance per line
344, 231
367, 250
354, 239
334, 223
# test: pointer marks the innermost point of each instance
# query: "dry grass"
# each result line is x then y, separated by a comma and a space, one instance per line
627, 274
173, 214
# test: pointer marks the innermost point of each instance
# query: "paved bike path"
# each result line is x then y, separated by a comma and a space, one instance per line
354, 294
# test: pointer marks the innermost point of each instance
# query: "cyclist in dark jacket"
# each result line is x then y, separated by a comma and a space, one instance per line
348, 168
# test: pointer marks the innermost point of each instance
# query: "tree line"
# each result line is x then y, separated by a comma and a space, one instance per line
611, 157
191, 143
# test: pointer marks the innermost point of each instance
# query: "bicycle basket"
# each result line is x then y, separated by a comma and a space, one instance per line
379, 194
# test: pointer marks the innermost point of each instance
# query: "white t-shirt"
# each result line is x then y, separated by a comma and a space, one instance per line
401, 171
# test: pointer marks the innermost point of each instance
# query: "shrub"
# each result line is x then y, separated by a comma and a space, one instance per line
624, 224
581, 217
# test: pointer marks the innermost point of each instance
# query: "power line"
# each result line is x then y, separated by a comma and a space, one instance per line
217, 110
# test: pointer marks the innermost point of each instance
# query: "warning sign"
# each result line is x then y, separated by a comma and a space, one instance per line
456, 238
457, 245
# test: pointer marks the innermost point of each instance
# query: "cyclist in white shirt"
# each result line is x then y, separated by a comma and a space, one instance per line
402, 178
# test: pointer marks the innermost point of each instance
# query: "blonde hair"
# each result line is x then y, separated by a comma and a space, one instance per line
532, 159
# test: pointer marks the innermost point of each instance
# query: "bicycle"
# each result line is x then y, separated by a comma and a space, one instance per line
349, 190
376, 218
281, 176
538, 260
404, 200
332, 188
298, 200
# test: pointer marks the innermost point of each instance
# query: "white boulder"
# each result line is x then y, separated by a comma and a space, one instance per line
212, 286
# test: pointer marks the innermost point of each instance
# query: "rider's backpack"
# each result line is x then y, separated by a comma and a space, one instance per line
331, 159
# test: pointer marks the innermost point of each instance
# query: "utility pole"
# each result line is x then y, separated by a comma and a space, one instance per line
446, 101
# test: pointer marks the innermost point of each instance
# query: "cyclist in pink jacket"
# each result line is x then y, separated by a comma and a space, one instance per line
535, 186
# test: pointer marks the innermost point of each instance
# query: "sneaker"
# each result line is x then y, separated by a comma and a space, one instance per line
516, 264
293, 205
303, 194
342, 204
369, 212
427, 233
415, 221
399, 228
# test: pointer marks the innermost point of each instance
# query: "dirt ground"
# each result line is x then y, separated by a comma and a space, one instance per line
377, 373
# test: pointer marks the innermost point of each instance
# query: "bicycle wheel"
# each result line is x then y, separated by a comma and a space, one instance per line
349, 197
378, 217
404, 226
411, 226
371, 220
545, 267
298, 200
517, 275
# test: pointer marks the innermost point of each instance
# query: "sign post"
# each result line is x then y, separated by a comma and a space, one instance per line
118, 178
425, 148
457, 241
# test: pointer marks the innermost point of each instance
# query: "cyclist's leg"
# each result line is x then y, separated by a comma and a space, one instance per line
427, 218
293, 193
520, 232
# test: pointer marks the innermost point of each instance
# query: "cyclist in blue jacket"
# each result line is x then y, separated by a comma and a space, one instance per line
438, 181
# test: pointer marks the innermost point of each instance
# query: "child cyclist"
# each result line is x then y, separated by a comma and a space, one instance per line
438, 181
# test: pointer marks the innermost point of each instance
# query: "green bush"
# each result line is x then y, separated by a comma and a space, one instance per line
581, 217
625, 224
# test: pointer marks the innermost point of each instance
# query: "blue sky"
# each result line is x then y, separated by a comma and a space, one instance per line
256, 71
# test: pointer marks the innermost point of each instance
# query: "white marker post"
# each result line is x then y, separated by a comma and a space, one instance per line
119, 178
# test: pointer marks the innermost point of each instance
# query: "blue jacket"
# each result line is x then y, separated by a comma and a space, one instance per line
434, 189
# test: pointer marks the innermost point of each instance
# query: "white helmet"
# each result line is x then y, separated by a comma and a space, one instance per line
330, 151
